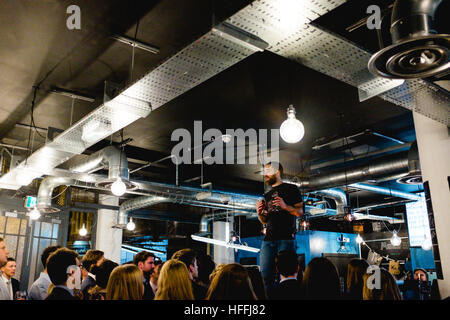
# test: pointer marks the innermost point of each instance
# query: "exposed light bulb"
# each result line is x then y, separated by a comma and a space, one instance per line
35, 214
304, 225
359, 239
395, 240
83, 231
427, 245
226, 138
292, 130
130, 225
118, 188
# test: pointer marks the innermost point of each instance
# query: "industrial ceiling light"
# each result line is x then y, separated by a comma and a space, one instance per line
83, 231
35, 214
348, 214
395, 240
292, 130
224, 243
359, 239
226, 138
118, 188
130, 225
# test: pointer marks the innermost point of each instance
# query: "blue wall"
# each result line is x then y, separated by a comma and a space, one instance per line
310, 243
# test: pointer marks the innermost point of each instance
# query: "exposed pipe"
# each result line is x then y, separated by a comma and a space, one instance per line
112, 157
385, 191
48, 184
382, 205
137, 203
339, 197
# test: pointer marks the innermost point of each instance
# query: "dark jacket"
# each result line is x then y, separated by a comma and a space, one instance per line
60, 294
148, 291
15, 286
199, 291
290, 289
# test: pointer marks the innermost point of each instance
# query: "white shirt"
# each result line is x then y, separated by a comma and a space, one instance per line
154, 287
8, 285
288, 278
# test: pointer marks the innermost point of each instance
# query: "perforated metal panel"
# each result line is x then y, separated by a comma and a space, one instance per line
195, 64
286, 26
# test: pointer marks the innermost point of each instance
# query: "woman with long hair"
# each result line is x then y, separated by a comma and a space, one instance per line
231, 282
174, 282
125, 283
321, 280
356, 269
388, 287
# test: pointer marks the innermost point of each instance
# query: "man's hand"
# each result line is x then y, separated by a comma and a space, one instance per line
260, 207
279, 202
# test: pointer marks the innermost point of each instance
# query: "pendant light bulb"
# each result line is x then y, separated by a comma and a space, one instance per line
359, 239
35, 214
130, 225
395, 240
118, 188
292, 130
83, 231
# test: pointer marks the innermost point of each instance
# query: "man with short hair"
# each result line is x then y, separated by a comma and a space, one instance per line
145, 261
90, 259
39, 288
289, 287
4, 290
63, 268
189, 257
8, 272
279, 209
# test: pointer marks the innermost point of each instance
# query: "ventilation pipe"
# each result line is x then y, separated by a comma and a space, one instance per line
385, 191
114, 159
417, 50
339, 197
137, 203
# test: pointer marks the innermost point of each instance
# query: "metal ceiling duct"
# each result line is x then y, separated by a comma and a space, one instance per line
44, 198
110, 157
385, 191
417, 50
209, 55
339, 197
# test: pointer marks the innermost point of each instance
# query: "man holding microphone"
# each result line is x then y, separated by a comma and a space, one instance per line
279, 209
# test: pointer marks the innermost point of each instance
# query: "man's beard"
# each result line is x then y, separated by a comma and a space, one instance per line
272, 180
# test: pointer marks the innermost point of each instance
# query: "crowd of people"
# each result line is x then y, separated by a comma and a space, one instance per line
191, 276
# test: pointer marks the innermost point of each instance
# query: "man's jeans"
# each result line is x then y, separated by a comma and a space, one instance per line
269, 249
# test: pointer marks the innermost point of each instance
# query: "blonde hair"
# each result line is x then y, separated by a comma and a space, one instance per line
356, 269
388, 291
174, 282
216, 271
125, 283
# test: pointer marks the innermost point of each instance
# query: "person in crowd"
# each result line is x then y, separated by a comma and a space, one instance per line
145, 261
174, 282
206, 266
189, 257
215, 271
4, 290
356, 269
155, 276
8, 272
231, 282
278, 211
420, 274
257, 282
90, 259
321, 280
39, 288
388, 287
64, 270
102, 275
125, 283
289, 287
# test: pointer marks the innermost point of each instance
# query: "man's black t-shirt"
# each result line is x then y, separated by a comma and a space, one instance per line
280, 223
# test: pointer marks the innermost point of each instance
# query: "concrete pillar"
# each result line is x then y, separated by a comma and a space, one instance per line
433, 140
108, 239
221, 231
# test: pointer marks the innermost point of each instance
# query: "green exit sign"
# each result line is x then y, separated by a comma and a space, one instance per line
30, 202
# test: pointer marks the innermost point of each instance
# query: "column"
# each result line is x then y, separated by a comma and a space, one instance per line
433, 141
108, 239
221, 231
